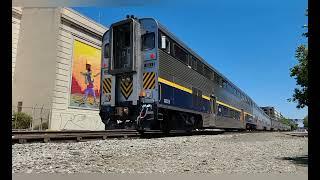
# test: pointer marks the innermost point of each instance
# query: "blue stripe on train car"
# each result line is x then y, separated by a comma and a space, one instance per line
166, 94
182, 99
178, 98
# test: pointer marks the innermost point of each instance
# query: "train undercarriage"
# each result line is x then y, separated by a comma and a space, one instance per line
151, 118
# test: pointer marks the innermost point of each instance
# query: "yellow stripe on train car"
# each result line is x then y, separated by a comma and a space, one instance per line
174, 85
206, 97
190, 91
229, 106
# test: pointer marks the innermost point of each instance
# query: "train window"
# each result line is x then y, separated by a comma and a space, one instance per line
218, 79
199, 67
224, 84
207, 72
230, 88
231, 113
180, 54
225, 111
238, 115
148, 41
168, 45
189, 61
107, 50
193, 62
167, 41
212, 75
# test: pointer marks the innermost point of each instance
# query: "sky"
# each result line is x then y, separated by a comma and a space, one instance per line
251, 42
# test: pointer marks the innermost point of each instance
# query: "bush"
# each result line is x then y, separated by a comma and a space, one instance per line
21, 120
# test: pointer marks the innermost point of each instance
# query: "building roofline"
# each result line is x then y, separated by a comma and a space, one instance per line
85, 17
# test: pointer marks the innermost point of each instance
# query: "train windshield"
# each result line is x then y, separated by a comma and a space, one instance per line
148, 41
122, 46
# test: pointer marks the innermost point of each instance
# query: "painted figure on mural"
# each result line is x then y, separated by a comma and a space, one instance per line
89, 81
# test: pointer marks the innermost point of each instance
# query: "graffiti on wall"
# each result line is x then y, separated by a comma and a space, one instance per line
85, 84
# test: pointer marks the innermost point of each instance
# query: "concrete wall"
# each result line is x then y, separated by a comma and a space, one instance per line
34, 77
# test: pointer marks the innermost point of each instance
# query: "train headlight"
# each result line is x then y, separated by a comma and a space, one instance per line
142, 93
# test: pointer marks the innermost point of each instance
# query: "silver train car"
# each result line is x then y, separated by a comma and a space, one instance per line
150, 80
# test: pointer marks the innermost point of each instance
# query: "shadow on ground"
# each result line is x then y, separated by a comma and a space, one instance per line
298, 160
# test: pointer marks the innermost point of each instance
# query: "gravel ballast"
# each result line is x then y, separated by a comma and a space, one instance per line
218, 154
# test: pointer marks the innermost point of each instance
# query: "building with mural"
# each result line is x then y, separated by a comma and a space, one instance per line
56, 67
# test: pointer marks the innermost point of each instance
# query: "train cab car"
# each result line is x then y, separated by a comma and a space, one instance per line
151, 80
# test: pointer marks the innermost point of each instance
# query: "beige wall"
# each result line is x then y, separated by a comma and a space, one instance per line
33, 81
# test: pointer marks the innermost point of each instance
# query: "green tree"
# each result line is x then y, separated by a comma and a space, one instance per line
305, 122
289, 122
300, 74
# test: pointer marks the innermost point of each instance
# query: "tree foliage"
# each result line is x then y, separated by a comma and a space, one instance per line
288, 122
300, 74
305, 122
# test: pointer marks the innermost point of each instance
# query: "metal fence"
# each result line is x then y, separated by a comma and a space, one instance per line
30, 118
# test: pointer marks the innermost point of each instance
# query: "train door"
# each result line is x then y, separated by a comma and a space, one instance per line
213, 105
213, 110
242, 118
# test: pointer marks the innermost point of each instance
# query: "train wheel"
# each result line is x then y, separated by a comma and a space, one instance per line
248, 127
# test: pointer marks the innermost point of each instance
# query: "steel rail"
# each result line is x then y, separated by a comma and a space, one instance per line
83, 135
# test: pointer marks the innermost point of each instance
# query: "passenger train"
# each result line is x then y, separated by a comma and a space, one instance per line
150, 80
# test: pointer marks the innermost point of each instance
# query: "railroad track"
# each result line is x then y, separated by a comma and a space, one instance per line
84, 135
19, 136
74, 135
298, 134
